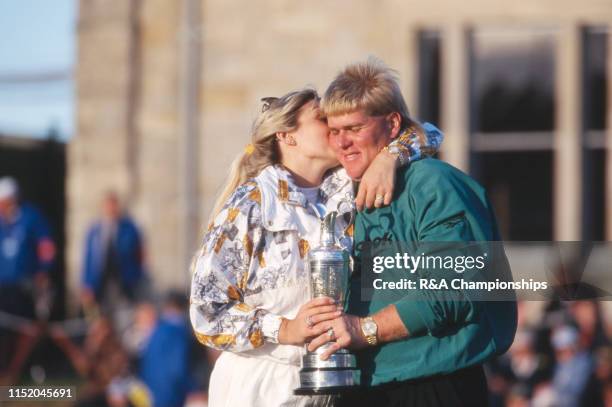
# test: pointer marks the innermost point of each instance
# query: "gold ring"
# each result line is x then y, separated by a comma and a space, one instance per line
379, 198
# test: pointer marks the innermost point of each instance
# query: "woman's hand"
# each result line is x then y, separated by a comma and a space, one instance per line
378, 180
297, 331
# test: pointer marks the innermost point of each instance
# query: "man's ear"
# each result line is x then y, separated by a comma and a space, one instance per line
394, 121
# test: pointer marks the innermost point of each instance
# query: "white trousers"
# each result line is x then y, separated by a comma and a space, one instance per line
239, 381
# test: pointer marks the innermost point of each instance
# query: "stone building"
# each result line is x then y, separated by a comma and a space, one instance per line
167, 91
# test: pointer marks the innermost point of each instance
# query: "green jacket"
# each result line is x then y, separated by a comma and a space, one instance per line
433, 202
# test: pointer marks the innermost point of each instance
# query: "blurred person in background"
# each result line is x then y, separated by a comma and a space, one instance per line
515, 375
528, 367
250, 287
165, 360
113, 274
27, 252
573, 377
588, 317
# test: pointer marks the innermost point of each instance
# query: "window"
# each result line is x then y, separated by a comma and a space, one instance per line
512, 119
512, 73
595, 83
513, 79
520, 189
429, 76
595, 48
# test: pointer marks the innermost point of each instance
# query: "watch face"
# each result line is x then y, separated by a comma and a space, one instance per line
369, 328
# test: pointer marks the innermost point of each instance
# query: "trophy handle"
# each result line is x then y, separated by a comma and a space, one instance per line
347, 205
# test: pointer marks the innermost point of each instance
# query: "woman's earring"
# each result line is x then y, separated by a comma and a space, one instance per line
291, 141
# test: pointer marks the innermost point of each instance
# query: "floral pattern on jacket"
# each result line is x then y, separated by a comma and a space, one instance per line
258, 244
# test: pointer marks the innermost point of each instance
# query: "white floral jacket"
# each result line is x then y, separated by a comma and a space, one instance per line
251, 270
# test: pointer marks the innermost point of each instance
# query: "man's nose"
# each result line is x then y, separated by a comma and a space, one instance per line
342, 140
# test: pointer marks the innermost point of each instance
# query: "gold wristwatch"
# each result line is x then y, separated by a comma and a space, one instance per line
369, 330
394, 151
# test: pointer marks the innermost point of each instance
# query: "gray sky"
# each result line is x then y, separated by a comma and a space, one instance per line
37, 37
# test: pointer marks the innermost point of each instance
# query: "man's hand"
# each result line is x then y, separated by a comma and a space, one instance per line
347, 334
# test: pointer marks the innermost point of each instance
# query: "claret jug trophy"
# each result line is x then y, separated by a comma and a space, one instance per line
329, 269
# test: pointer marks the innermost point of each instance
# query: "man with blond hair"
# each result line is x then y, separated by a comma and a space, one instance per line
425, 352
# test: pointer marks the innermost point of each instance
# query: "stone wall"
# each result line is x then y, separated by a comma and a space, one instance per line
132, 131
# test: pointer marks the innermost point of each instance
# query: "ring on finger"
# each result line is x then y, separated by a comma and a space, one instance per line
330, 333
379, 199
309, 322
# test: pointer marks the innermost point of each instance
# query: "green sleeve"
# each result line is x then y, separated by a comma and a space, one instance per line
446, 209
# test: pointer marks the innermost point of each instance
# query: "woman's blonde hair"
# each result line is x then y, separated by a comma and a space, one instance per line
370, 86
277, 115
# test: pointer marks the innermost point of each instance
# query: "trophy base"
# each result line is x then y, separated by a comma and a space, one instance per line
324, 391
325, 382
332, 376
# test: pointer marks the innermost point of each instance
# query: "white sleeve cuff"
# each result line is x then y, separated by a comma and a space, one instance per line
270, 325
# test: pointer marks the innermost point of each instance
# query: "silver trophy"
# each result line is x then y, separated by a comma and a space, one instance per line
329, 274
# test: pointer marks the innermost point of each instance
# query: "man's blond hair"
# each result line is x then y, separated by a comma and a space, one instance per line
370, 86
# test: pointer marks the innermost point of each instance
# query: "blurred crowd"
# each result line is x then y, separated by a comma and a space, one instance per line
561, 356
131, 346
